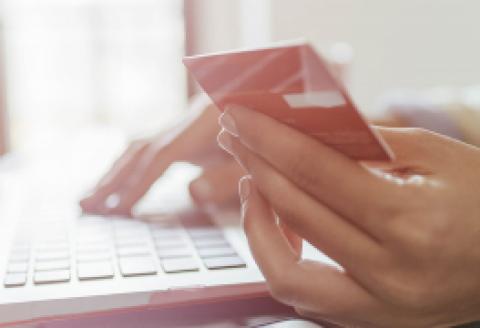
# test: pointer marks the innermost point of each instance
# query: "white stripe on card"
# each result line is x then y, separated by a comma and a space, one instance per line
322, 99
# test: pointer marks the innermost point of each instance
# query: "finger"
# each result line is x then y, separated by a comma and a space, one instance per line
295, 241
345, 241
272, 251
355, 250
118, 173
341, 183
217, 184
151, 166
185, 141
310, 285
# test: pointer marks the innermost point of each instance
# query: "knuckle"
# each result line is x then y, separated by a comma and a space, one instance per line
386, 211
419, 242
432, 227
430, 238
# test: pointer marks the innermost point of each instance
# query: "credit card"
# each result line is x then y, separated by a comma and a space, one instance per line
293, 84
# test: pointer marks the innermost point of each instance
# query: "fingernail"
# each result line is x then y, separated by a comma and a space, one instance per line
228, 123
201, 189
244, 188
225, 141
112, 201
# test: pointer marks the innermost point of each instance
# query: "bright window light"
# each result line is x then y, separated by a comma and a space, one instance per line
77, 65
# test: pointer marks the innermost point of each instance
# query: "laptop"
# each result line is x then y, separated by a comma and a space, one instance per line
62, 263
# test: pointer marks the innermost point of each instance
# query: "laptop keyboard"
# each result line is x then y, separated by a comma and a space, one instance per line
104, 248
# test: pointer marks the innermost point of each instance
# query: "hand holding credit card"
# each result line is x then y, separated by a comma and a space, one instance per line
294, 85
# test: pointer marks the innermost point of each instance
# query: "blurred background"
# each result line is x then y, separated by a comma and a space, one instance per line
94, 73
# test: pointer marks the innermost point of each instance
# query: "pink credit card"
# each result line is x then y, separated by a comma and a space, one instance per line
294, 85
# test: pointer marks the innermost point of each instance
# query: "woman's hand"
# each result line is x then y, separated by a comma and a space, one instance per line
145, 161
405, 233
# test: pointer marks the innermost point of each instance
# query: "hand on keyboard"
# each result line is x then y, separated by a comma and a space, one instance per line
145, 161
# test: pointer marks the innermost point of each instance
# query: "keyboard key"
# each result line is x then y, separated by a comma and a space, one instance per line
93, 257
216, 252
130, 242
205, 233
128, 224
133, 251
52, 265
174, 252
45, 241
180, 265
167, 235
137, 266
95, 270
216, 263
15, 279
208, 243
50, 277
165, 244
131, 232
19, 256
20, 247
52, 247
52, 256
17, 267
92, 238
92, 220
93, 247
128, 232
165, 227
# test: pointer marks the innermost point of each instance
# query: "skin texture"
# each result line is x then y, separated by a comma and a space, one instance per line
144, 161
405, 233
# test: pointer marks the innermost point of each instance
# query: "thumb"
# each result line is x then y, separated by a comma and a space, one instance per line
416, 150
411, 143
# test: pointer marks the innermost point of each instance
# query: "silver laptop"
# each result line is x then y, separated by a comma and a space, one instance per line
56, 262
61, 263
